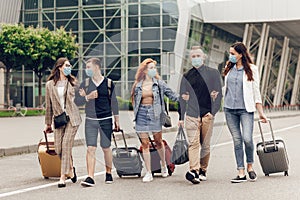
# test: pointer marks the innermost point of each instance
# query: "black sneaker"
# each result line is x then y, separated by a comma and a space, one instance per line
88, 182
108, 178
252, 176
192, 176
202, 175
239, 179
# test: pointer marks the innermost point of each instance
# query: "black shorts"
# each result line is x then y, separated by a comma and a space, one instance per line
94, 127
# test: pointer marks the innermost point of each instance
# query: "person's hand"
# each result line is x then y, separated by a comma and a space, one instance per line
117, 125
214, 95
82, 92
116, 122
208, 115
48, 128
263, 118
92, 95
181, 123
185, 96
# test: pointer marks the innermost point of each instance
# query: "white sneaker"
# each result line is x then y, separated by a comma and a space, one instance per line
164, 171
148, 177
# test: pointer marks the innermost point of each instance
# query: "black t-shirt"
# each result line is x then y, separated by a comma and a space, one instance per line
104, 105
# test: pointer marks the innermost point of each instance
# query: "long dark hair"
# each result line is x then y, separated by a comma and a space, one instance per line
55, 73
246, 60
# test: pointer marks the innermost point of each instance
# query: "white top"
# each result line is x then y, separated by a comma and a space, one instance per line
60, 90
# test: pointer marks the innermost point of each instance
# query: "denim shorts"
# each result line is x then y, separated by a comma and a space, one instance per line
145, 121
94, 127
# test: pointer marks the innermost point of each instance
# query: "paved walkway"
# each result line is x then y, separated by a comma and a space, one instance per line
22, 134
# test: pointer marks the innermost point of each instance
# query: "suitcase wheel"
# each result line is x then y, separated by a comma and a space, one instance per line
286, 173
45, 177
139, 175
267, 175
119, 174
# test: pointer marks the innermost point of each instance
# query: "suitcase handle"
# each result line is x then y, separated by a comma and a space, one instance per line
262, 135
120, 130
47, 144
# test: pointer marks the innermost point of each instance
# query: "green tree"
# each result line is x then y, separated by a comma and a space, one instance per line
14, 50
49, 46
35, 48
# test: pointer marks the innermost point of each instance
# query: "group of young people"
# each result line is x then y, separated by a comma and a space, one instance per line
199, 100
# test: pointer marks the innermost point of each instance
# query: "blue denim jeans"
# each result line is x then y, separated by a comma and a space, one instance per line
240, 124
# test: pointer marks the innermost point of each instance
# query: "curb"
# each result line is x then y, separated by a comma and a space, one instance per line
79, 142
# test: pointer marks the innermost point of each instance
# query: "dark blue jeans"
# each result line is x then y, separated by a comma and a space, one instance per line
240, 124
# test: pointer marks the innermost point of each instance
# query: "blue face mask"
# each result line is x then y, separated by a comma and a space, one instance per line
232, 58
197, 62
67, 71
89, 72
151, 72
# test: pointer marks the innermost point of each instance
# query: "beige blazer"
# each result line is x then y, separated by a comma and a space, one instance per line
53, 107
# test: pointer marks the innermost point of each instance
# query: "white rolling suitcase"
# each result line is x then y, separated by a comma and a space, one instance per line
272, 154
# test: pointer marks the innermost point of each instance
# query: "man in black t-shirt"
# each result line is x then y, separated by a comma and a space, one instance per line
101, 105
201, 95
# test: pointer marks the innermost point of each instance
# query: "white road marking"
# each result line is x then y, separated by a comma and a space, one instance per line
42, 186
103, 172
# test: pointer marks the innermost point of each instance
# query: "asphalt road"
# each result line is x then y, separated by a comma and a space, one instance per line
20, 176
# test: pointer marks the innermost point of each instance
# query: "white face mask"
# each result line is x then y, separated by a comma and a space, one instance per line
197, 62
151, 72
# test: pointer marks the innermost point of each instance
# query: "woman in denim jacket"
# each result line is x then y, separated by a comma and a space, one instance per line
146, 99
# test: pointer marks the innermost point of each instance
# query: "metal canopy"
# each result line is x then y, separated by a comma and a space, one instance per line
279, 30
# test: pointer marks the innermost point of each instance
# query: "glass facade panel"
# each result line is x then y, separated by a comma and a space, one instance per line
150, 34
48, 3
133, 10
150, 9
150, 21
133, 22
60, 3
31, 4
149, 27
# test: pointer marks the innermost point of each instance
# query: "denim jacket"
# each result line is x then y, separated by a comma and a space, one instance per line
157, 106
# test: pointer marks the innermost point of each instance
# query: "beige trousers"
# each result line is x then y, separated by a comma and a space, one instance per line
199, 132
64, 140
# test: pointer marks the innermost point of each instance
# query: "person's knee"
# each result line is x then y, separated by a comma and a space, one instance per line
91, 150
159, 143
145, 146
106, 149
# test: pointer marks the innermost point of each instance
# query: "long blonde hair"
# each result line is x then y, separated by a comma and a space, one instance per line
141, 75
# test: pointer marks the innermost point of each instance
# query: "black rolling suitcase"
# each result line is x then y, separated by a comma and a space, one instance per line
272, 154
126, 160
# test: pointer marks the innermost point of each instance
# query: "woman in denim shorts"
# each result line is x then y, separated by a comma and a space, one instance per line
146, 99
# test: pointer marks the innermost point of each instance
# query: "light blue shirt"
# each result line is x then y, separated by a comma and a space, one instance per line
234, 98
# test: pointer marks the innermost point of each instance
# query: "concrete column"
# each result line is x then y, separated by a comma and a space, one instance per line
246, 31
2, 88
124, 50
267, 68
80, 42
281, 73
182, 36
262, 47
296, 86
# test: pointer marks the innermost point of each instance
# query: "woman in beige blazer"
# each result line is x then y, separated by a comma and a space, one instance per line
60, 93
